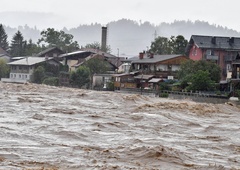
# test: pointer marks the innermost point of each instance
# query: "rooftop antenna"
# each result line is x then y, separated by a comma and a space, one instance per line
155, 34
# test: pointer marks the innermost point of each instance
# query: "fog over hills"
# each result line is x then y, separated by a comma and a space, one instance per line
127, 36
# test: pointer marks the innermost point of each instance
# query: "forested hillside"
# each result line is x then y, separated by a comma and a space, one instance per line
128, 36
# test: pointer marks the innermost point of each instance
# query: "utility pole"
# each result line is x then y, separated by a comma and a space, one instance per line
155, 34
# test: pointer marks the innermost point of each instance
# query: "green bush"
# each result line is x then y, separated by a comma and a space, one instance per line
163, 95
110, 86
38, 74
52, 81
238, 93
218, 93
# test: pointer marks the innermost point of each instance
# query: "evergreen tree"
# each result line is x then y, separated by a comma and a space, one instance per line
18, 45
3, 39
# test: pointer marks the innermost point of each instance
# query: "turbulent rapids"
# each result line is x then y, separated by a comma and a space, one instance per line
58, 128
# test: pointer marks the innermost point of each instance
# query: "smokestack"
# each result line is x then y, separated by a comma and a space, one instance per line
104, 38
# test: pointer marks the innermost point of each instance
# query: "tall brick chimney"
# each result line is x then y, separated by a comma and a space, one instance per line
141, 54
104, 38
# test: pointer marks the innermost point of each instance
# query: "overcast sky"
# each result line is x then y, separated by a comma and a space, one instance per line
76, 12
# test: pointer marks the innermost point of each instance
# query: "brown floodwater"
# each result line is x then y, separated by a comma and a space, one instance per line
58, 128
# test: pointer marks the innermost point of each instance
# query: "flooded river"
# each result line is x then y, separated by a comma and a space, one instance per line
44, 127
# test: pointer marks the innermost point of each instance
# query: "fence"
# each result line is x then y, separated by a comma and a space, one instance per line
198, 97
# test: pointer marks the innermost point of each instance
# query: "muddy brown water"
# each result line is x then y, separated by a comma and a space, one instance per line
44, 127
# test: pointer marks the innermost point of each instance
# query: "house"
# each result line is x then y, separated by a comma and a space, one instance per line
21, 70
125, 80
162, 66
147, 70
111, 68
77, 58
100, 81
221, 50
74, 58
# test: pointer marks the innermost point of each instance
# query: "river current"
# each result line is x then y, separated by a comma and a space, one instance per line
58, 128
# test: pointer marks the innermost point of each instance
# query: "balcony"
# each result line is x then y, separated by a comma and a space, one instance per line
212, 57
236, 62
160, 73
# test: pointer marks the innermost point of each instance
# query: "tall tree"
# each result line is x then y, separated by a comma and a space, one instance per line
3, 38
160, 46
60, 39
174, 45
178, 44
18, 45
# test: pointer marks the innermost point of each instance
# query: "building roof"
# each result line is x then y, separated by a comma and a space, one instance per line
73, 53
28, 61
42, 53
155, 80
215, 42
98, 51
156, 58
2, 51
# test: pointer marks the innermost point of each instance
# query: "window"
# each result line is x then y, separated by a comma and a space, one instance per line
169, 67
194, 52
210, 52
229, 67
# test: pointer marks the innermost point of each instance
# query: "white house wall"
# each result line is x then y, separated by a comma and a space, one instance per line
20, 76
175, 67
164, 67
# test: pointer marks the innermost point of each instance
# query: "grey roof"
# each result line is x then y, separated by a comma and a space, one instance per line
48, 50
156, 58
28, 61
72, 53
217, 42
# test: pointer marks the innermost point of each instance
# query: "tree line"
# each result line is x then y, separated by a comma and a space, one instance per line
49, 38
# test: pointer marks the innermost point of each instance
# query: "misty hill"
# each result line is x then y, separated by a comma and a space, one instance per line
128, 36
